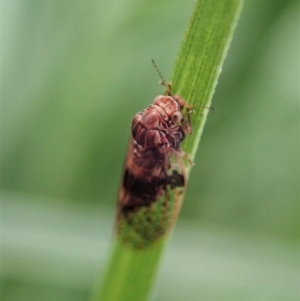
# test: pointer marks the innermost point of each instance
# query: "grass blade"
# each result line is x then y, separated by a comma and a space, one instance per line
200, 59
131, 272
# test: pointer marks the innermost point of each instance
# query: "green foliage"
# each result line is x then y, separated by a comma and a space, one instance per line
131, 273
73, 75
196, 74
201, 57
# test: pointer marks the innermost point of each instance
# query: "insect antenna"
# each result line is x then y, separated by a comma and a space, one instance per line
158, 71
162, 82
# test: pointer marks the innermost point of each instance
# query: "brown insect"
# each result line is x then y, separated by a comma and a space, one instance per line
154, 175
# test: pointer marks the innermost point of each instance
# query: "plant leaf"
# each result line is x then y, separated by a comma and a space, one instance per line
131, 272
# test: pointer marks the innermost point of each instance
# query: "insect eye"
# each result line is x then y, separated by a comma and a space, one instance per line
176, 117
180, 101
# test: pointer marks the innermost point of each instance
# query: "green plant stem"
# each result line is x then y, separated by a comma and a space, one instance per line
131, 272
128, 269
200, 59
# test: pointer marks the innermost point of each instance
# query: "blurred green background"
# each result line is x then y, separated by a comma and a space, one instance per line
73, 75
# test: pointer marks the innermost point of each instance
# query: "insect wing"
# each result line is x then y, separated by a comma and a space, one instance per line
147, 210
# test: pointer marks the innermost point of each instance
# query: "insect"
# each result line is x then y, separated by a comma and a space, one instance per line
154, 172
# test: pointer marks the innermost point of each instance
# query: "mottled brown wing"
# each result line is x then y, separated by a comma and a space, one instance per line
143, 178
148, 201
